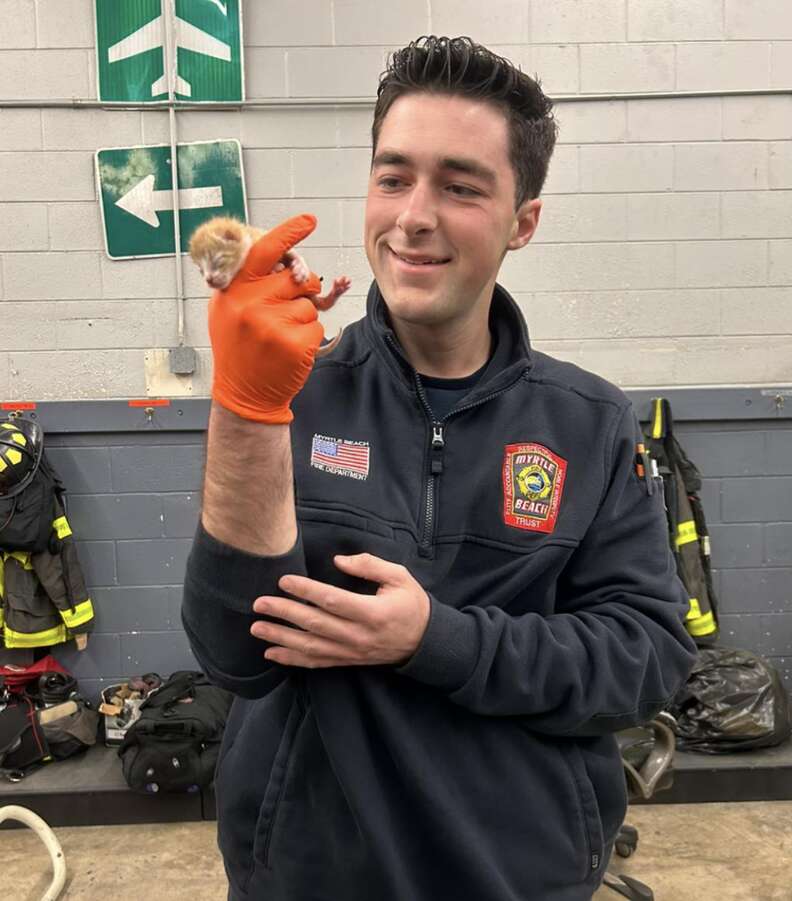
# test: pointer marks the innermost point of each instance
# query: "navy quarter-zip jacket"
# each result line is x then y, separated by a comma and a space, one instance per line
485, 768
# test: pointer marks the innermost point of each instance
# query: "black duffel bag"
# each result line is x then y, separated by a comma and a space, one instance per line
173, 746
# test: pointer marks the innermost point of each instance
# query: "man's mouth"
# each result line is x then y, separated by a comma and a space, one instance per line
419, 262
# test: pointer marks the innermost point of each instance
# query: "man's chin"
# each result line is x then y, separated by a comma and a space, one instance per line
413, 310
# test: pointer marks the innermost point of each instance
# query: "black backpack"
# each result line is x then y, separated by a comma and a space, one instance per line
23, 745
173, 746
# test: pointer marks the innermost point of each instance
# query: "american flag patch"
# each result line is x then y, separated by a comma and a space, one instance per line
340, 457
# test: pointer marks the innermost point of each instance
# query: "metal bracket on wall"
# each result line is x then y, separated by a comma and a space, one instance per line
778, 395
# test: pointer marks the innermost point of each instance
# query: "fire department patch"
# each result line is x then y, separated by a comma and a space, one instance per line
340, 456
533, 480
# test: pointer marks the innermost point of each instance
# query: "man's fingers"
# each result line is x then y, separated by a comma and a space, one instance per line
287, 657
308, 618
308, 646
302, 311
372, 568
337, 601
287, 287
266, 252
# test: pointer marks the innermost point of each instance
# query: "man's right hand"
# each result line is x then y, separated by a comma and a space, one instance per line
264, 332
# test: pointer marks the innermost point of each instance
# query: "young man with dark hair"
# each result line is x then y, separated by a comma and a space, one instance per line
440, 593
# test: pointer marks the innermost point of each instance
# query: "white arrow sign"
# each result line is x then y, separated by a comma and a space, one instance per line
143, 201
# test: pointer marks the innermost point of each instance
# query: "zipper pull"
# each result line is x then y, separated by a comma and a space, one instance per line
437, 448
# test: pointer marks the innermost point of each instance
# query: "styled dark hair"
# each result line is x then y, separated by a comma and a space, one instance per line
458, 66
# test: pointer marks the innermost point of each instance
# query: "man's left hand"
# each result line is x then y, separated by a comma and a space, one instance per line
346, 628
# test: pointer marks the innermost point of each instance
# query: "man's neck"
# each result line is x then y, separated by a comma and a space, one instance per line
453, 353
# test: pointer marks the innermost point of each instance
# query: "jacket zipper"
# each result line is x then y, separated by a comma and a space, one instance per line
436, 447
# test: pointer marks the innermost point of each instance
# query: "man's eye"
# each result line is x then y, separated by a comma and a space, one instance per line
469, 192
382, 182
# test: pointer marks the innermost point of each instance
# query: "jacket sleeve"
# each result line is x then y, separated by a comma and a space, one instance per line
220, 586
615, 651
59, 571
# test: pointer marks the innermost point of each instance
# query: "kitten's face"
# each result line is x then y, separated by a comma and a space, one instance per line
219, 255
220, 264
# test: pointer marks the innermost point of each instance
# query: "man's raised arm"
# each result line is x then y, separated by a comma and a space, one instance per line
248, 500
264, 337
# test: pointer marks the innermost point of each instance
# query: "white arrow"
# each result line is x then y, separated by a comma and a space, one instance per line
143, 201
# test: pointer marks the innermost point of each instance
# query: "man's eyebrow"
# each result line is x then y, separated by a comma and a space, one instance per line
456, 163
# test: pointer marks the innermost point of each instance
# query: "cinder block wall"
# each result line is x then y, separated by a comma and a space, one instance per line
663, 253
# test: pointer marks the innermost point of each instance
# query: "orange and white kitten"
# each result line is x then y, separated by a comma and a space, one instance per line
220, 246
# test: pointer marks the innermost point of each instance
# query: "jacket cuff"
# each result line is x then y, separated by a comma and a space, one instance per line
235, 577
448, 650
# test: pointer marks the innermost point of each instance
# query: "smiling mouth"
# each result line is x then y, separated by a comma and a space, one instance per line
413, 264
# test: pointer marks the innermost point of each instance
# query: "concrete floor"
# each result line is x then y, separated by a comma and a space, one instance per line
686, 852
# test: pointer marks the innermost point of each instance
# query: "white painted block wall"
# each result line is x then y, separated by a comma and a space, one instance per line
664, 253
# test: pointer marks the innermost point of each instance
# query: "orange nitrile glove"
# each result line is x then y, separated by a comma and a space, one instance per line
264, 333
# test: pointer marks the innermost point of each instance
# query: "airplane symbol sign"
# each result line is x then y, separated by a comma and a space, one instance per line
131, 57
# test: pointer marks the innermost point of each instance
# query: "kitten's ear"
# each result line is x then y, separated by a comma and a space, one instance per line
230, 235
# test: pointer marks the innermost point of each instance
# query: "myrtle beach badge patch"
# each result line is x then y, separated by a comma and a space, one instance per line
533, 480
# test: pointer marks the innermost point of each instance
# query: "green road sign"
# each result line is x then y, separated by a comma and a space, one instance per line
130, 38
136, 196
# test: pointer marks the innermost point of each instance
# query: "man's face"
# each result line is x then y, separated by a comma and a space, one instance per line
442, 189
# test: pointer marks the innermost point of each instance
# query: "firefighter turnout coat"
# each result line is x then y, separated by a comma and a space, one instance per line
43, 596
688, 532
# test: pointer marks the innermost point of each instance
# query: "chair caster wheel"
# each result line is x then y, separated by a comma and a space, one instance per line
626, 841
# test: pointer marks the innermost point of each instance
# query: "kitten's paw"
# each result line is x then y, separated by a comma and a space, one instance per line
340, 285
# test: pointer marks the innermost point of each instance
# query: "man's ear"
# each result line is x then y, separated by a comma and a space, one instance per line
526, 221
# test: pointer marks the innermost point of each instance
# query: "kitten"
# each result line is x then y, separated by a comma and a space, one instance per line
220, 246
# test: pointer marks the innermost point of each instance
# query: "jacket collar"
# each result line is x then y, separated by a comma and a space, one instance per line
513, 355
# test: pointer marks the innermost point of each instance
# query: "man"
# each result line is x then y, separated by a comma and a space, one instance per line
432, 654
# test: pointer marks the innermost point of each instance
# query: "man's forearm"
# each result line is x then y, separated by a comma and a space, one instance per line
248, 499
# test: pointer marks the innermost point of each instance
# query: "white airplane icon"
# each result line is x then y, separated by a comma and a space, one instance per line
187, 36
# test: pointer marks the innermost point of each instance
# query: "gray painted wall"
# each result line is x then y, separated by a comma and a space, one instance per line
134, 501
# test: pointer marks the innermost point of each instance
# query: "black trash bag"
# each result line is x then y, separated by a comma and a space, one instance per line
733, 700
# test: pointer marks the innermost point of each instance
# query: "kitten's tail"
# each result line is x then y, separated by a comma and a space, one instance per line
325, 349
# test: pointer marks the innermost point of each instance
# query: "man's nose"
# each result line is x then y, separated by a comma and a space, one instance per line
419, 212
